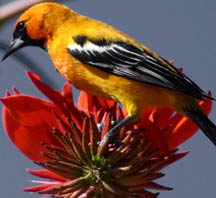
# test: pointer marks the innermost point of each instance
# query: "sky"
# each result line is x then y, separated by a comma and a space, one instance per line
183, 31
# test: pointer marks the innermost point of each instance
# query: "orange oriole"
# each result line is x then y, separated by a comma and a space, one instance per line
105, 62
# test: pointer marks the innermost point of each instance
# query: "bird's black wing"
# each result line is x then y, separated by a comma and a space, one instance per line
128, 61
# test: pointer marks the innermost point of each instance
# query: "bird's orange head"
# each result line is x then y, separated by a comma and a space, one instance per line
37, 24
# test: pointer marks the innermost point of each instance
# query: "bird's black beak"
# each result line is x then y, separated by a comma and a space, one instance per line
21, 39
16, 44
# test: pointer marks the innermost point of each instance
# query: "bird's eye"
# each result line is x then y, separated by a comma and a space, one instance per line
20, 29
20, 26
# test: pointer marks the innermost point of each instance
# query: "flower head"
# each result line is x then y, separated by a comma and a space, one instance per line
63, 138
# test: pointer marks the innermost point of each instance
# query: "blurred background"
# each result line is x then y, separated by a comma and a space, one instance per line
183, 31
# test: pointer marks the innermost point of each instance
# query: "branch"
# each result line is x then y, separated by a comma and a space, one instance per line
15, 7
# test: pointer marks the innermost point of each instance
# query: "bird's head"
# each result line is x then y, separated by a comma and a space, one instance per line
36, 25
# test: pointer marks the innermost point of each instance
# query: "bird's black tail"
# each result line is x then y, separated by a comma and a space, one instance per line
204, 123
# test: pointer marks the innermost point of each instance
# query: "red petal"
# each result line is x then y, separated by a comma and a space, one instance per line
67, 94
28, 121
7, 93
15, 91
50, 93
183, 128
172, 159
88, 103
181, 132
159, 116
146, 194
155, 186
63, 102
106, 104
92, 104
46, 174
39, 188
155, 135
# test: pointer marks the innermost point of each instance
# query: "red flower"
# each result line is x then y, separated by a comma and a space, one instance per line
63, 138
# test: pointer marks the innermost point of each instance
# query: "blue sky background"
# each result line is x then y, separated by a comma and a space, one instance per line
183, 31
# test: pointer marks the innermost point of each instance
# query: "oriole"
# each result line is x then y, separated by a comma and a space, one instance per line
105, 62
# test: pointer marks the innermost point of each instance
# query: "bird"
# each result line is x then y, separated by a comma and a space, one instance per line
103, 61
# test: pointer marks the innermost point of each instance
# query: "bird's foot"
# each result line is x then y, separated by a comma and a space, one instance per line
110, 135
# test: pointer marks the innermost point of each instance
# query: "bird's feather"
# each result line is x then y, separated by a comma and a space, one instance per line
129, 61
